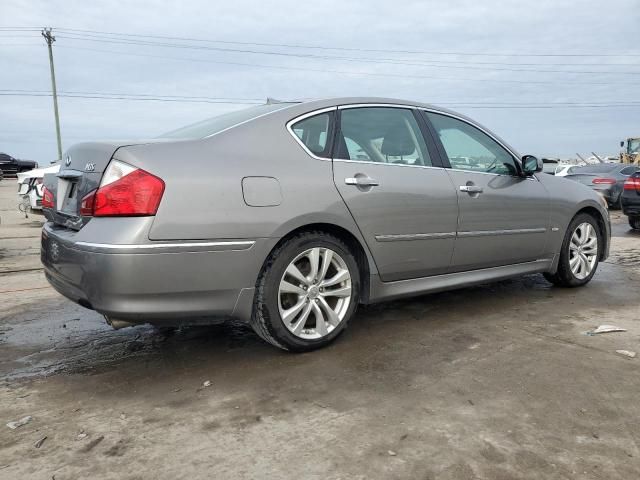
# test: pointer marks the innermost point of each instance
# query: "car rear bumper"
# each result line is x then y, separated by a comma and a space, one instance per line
165, 283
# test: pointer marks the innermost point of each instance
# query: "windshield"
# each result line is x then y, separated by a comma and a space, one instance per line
213, 125
634, 146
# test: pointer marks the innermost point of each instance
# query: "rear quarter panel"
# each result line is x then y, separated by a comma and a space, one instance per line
203, 197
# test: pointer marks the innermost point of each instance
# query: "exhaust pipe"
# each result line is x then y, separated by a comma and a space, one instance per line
118, 324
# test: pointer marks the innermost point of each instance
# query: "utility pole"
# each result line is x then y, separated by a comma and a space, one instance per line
46, 33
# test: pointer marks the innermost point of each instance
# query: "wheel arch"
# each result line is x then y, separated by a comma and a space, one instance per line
602, 226
357, 247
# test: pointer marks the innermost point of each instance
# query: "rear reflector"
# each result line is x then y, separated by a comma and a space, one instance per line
47, 198
632, 183
603, 181
87, 203
125, 191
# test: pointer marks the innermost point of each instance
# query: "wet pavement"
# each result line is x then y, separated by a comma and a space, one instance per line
496, 381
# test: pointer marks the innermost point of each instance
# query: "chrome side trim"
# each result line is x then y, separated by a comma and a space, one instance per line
490, 233
302, 117
173, 247
389, 105
367, 162
414, 236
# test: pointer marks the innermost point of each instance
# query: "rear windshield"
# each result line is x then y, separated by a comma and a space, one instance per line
599, 168
221, 122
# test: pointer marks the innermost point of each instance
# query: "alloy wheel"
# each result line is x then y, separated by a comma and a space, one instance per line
583, 250
314, 293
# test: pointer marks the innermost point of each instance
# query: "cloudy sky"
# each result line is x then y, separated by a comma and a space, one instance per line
553, 77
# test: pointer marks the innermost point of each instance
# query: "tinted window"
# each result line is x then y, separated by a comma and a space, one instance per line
381, 134
314, 132
628, 170
468, 148
217, 124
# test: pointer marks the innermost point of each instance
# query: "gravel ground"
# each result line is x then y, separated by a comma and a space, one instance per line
494, 382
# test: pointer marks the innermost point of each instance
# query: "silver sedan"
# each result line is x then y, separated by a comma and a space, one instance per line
289, 215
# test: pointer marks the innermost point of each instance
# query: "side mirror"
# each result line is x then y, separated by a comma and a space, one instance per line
531, 165
621, 143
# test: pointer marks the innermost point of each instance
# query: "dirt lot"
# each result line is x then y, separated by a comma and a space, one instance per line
493, 382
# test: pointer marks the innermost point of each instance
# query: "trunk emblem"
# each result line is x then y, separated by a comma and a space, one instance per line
67, 160
90, 167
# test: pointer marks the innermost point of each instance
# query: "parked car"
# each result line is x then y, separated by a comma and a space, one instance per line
11, 166
564, 170
549, 166
631, 200
304, 211
605, 178
30, 185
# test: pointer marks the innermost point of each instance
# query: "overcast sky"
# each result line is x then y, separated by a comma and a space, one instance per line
461, 63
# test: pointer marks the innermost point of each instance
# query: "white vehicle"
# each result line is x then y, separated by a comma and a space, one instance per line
30, 188
563, 170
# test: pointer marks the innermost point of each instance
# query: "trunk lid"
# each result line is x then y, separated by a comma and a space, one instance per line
80, 173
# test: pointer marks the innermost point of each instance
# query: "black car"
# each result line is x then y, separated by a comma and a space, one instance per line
11, 166
631, 200
605, 178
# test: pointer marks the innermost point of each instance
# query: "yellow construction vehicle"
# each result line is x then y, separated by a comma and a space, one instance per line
632, 153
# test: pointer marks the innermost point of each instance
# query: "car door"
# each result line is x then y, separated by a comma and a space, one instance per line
400, 196
504, 217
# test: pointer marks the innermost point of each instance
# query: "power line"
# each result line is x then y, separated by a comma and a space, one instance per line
249, 101
102, 39
346, 72
354, 49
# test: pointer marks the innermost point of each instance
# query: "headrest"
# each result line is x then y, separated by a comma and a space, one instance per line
398, 141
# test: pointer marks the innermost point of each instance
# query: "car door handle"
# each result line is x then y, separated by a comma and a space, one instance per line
470, 188
361, 181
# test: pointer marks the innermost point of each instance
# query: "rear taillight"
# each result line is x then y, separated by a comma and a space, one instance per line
632, 183
604, 181
47, 198
124, 191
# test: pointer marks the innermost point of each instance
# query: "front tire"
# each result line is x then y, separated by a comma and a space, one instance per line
580, 253
634, 222
307, 292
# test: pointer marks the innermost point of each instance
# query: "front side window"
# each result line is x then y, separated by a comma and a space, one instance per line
382, 135
313, 132
468, 148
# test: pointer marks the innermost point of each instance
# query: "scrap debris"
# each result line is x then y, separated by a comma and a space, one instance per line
627, 353
39, 443
19, 423
606, 329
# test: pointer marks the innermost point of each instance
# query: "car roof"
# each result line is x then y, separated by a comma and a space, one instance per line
308, 106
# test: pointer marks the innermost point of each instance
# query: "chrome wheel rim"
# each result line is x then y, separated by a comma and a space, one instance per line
314, 293
583, 250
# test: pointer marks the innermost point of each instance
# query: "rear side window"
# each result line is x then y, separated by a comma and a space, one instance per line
381, 134
313, 132
628, 170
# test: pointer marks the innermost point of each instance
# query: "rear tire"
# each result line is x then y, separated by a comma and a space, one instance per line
580, 253
298, 307
634, 222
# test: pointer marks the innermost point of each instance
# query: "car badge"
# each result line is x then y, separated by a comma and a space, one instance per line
54, 251
67, 160
90, 167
